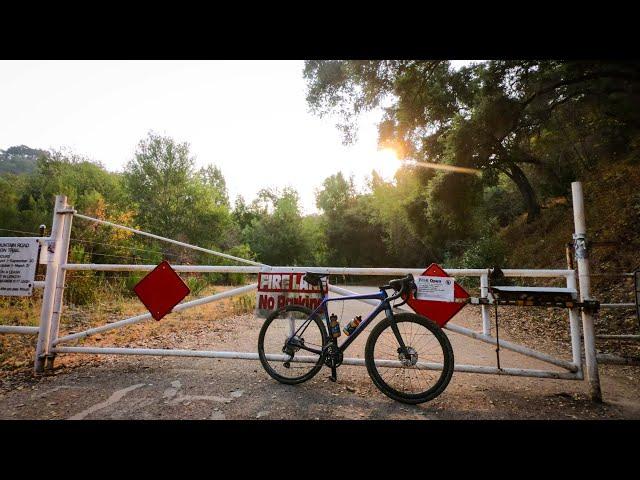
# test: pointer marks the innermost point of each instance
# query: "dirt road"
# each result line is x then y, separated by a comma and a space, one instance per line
119, 387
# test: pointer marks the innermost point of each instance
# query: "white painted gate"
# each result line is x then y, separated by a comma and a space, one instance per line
49, 343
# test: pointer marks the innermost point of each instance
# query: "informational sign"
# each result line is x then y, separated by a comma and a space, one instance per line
276, 290
161, 290
437, 289
437, 308
18, 261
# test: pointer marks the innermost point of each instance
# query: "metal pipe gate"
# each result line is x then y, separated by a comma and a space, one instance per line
50, 343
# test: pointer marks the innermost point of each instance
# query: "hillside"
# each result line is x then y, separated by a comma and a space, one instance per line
612, 203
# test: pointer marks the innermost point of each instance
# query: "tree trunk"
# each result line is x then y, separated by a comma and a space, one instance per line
515, 173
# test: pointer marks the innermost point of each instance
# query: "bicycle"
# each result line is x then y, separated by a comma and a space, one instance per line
290, 332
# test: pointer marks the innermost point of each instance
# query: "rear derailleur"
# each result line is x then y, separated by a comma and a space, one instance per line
290, 348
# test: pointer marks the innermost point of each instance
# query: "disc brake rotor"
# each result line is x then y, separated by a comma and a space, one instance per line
409, 357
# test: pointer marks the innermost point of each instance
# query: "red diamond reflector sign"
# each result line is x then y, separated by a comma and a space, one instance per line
161, 290
438, 311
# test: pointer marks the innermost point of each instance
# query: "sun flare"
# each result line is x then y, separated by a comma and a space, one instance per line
386, 163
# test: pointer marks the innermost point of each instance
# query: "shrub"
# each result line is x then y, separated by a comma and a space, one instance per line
82, 288
196, 285
488, 251
244, 304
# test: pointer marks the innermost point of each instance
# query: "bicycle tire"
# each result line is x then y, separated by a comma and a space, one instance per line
390, 391
261, 350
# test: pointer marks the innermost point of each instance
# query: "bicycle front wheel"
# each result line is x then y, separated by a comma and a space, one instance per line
281, 361
406, 376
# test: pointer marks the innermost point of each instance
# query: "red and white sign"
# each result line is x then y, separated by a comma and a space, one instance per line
161, 290
278, 289
437, 300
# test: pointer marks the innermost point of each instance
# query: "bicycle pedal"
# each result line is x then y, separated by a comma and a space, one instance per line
334, 375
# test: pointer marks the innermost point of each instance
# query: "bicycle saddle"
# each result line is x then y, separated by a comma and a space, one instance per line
314, 278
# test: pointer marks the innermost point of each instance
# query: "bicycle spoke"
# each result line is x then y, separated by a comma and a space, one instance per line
420, 342
279, 332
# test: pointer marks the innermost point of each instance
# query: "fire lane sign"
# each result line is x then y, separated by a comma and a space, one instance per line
278, 289
18, 261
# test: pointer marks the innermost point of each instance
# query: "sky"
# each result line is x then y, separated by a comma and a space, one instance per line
249, 118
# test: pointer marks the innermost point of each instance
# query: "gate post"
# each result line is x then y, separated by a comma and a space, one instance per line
54, 326
581, 253
53, 243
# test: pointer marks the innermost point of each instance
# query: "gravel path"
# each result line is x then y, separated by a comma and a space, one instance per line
136, 387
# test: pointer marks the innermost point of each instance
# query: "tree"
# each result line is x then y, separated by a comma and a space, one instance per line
19, 159
336, 194
172, 199
485, 115
244, 214
354, 236
211, 176
276, 234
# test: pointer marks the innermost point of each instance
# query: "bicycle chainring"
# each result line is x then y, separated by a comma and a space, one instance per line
333, 356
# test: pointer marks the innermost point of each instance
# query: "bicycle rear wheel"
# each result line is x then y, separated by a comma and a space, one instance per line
285, 364
410, 380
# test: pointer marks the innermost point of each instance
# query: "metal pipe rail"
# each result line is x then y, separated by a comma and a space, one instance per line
462, 272
19, 329
147, 316
522, 372
618, 360
619, 337
572, 367
617, 305
164, 239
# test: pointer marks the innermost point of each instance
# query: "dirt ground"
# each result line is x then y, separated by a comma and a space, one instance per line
142, 387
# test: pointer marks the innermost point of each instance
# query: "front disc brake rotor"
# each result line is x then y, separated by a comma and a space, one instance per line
408, 358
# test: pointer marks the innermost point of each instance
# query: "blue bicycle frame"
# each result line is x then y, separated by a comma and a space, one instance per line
383, 306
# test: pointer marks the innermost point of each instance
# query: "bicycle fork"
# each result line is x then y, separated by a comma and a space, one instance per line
396, 331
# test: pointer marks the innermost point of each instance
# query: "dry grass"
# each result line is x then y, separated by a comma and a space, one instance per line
17, 351
612, 204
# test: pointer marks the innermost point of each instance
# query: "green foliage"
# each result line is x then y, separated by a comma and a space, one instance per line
501, 116
353, 234
20, 159
488, 251
171, 197
276, 233
196, 284
241, 251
